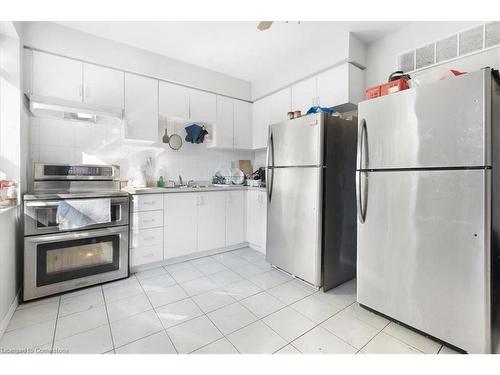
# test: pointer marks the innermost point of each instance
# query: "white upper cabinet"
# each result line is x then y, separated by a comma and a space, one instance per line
341, 87
222, 136
304, 95
211, 220
235, 217
242, 138
102, 86
269, 110
260, 121
279, 106
141, 108
56, 77
174, 100
203, 106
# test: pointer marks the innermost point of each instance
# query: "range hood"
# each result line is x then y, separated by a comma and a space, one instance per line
69, 110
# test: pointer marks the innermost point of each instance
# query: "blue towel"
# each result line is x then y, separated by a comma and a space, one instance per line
195, 133
318, 109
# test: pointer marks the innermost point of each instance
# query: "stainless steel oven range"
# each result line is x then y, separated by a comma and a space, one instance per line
62, 254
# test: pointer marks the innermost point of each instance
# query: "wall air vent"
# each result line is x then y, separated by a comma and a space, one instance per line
407, 61
492, 34
446, 48
470, 40
458, 45
424, 56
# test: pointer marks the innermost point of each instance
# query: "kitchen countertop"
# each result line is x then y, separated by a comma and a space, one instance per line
158, 190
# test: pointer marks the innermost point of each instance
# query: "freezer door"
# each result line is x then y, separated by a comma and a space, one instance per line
444, 124
297, 142
424, 254
294, 222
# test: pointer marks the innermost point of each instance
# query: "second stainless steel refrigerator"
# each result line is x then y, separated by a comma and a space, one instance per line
311, 222
427, 174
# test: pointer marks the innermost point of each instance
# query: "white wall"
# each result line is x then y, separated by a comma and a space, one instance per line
66, 141
381, 55
13, 140
72, 43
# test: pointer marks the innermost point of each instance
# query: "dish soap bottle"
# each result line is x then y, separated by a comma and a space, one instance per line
160, 182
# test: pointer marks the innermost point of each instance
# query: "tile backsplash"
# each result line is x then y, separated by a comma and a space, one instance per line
65, 141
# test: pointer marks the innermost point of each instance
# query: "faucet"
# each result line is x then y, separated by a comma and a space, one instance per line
180, 180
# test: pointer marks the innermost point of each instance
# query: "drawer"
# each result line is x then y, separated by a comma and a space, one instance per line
146, 237
145, 255
147, 202
147, 219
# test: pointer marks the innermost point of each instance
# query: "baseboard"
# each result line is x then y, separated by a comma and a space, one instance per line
184, 258
6, 320
256, 248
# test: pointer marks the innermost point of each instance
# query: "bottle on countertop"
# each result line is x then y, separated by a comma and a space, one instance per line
160, 182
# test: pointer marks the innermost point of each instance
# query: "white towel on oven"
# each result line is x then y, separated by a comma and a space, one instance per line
78, 213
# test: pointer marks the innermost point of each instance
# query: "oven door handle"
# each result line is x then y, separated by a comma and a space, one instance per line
77, 235
42, 204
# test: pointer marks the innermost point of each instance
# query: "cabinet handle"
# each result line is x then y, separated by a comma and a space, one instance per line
148, 203
150, 255
149, 220
149, 238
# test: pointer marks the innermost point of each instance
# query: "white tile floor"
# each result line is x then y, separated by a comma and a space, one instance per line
227, 303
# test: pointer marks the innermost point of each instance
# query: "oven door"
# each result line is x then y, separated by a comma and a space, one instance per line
40, 216
61, 262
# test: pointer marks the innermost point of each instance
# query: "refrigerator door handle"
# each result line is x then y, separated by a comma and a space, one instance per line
362, 140
360, 194
270, 163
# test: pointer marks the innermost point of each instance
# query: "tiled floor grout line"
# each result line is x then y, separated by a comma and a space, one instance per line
245, 262
404, 342
55, 327
156, 313
309, 330
107, 316
378, 333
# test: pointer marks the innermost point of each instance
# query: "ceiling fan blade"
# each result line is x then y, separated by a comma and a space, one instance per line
264, 25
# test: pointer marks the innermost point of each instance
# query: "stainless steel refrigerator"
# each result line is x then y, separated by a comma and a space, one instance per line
311, 205
427, 203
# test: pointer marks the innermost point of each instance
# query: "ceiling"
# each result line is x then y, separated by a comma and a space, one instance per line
237, 49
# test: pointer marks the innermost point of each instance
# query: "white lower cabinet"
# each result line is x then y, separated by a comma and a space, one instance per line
256, 219
146, 229
194, 222
235, 217
144, 255
180, 219
211, 220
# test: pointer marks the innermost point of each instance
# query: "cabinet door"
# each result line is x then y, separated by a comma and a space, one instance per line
262, 200
203, 106
222, 136
242, 138
260, 123
235, 217
304, 95
180, 226
333, 87
102, 86
211, 220
56, 77
174, 100
141, 108
279, 106
253, 232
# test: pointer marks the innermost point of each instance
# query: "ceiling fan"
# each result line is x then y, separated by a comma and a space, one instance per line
264, 25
